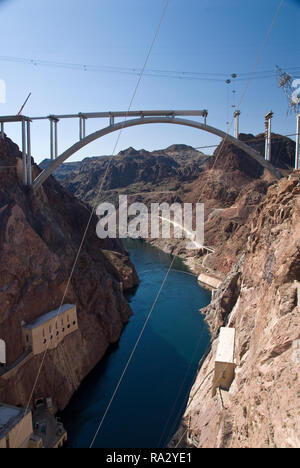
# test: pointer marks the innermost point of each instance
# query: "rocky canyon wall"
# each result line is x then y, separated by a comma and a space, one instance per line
40, 234
260, 298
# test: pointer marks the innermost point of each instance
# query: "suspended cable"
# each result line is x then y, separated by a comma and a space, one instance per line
253, 140
94, 208
158, 73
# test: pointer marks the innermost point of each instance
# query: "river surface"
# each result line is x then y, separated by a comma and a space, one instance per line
152, 397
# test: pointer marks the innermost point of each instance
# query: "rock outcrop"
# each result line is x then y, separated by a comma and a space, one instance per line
39, 239
131, 171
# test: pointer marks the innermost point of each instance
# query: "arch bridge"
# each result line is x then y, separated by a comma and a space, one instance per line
129, 119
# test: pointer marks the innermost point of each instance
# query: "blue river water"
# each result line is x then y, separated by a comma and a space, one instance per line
152, 397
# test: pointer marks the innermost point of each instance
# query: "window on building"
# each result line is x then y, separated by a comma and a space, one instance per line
45, 341
74, 323
68, 326
27, 338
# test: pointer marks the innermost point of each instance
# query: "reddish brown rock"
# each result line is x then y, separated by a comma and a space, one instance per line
39, 239
263, 405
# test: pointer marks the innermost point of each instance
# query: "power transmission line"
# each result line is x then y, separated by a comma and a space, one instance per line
158, 73
253, 140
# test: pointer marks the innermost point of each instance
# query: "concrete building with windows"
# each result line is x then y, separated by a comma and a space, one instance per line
27, 429
225, 362
48, 330
16, 429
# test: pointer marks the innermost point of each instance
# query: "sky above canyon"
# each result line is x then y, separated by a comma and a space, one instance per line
209, 36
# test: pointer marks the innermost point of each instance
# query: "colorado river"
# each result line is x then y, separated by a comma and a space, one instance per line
151, 399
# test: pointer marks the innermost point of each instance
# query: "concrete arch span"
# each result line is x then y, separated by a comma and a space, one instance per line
150, 120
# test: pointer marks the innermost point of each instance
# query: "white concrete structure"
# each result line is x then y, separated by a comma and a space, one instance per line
2, 352
297, 155
237, 123
209, 280
268, 134
48, 330
224, 363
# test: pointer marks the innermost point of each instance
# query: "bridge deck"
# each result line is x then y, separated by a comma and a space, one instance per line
146, 113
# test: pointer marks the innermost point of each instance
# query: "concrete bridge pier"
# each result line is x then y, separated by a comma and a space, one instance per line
237, 123
2, 130
53, 137
82, 127
111, 120
268, 135
28, 156
297, 155
24, 154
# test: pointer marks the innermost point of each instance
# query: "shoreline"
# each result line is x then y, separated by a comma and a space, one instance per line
205, 278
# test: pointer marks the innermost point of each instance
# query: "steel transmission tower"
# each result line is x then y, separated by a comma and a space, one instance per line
289, 86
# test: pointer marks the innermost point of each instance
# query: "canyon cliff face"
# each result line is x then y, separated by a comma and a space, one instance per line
252, 226
131, 172
39, 238
260, 298
230, 184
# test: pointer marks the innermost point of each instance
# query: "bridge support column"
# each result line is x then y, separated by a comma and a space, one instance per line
53, 138
82, 127
2, 130
268, 120
29, 168
111, 120
297, 155
237, 124
205, 114
24, 155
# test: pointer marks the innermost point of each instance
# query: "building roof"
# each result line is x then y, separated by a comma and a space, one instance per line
10, 417
47, 317
225, 350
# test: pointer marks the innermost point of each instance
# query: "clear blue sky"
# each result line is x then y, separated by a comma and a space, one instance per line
215, 36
